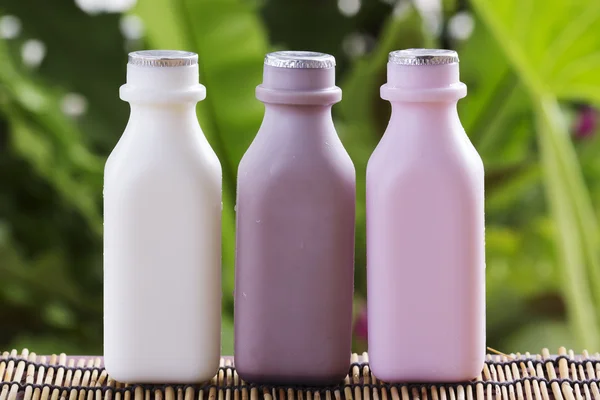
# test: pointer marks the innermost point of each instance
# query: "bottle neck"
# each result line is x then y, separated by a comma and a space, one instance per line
310, 117
425, 116
298, 86
162, 85
161, 117
429, 83
163, 101
424, 102
309, 124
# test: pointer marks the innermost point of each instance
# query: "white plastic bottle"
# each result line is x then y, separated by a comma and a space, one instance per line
162, 230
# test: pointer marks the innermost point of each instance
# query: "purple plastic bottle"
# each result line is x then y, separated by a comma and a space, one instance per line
295, 231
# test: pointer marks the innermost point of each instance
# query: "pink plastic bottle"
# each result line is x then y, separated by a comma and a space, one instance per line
295, 231
425, 229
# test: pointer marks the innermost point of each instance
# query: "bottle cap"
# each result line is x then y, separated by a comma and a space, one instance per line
423, 57
152, 78
300, 60
162, 58
438, 82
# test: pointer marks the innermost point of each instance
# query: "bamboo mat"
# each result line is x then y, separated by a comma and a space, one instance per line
26, 376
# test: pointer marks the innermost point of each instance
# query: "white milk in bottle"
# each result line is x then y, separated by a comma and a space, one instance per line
162, 230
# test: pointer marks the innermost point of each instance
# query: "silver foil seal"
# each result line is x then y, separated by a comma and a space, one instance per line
423, 57
162, 58
300, 60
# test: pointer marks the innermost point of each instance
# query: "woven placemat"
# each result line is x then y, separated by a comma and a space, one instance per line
26, 376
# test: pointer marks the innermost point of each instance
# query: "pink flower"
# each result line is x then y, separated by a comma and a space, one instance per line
360, 325
586, 122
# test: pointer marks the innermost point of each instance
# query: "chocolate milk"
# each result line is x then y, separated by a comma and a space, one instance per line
295, 231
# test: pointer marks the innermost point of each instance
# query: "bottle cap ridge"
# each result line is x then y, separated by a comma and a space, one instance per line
300, 60
162, 58
423, 57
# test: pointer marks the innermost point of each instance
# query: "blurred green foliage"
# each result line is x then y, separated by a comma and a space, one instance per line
530, 66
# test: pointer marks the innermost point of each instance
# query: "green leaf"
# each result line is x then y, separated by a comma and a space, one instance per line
36, 146
539, 334
552, 50
163, 24
551, 44
507, 188
227, 336
362, 104
563, 204
496, 103
48, 140
519, 260
46, 278
231, 43
58, 315
48, 344
363, 115
90, 62
229, 70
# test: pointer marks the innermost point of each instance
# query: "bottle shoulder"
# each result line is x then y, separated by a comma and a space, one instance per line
296, 175
192, 158
320, 146
401, 149
445, 169
320, 163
